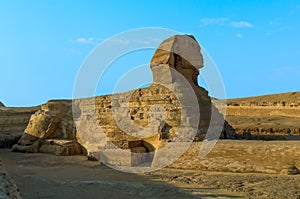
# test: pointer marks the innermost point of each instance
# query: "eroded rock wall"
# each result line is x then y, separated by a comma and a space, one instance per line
13, 122
51, 130
273, 116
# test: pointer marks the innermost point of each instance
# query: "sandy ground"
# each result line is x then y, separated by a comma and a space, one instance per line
248, 185
8, 188
49, 176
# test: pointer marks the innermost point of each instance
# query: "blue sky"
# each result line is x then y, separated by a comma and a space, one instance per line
255, 44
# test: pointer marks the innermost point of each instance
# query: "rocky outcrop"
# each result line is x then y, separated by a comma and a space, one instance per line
266, 117
50, 130
13, 122
1, 104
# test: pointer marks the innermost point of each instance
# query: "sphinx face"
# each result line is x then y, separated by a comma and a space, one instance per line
180, 52
183, 46
188, 49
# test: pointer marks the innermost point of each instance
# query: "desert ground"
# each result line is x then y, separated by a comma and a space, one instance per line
40, 175
43, 176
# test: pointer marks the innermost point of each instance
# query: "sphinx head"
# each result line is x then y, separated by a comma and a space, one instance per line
179, 52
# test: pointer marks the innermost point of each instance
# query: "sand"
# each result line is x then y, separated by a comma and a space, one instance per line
48, 176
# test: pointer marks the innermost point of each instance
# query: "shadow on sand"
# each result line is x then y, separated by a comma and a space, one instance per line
48, 176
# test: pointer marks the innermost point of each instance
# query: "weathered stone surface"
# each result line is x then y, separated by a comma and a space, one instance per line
57, 111
60, 147
180, 52
297, 165
54, 120
13, 122
266, 117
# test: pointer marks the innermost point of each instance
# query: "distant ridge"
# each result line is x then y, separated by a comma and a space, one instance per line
271, 115
288, 97
1, 104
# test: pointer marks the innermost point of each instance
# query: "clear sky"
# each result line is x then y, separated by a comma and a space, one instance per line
255, 44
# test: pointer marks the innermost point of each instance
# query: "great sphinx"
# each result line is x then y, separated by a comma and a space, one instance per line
174, 108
